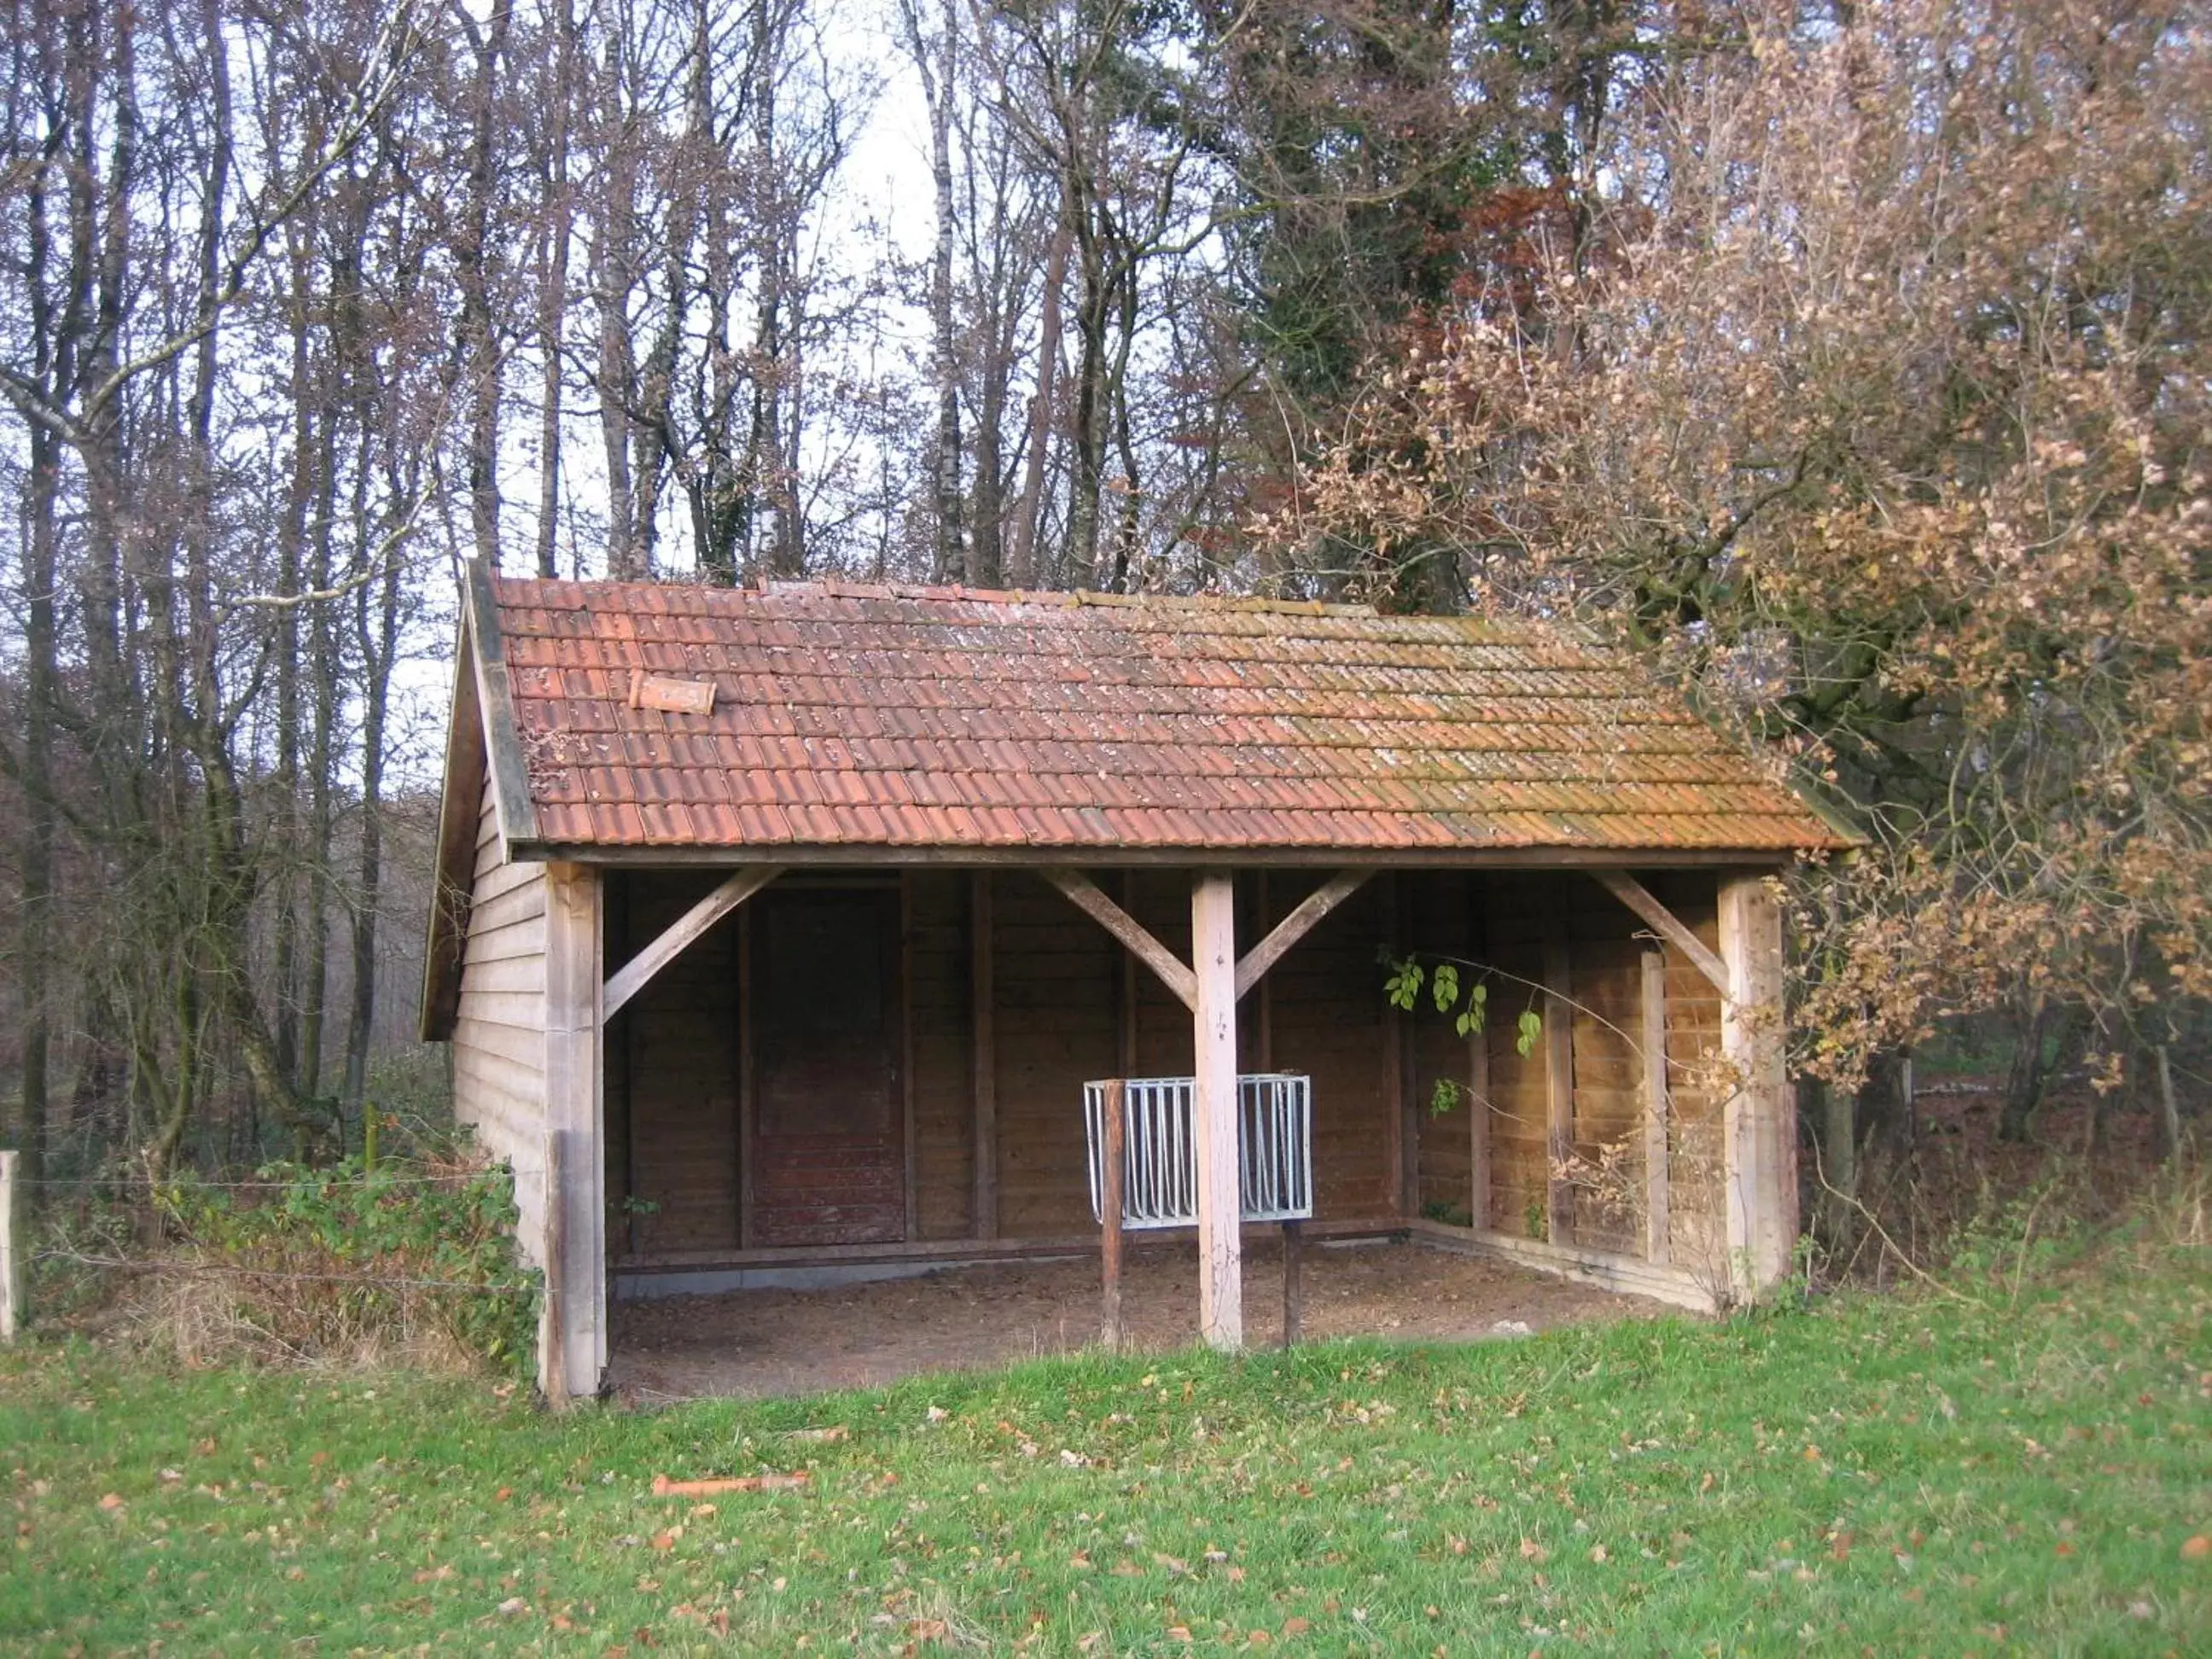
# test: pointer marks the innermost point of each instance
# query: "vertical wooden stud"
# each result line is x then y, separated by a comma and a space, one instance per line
1395, 1152
984, 1020
1658, 1199
1477, 1129
11, 1247
1214, 1111
748, 1076
1758, 1140
576, 1204
911, 1156
1559, 1077
1109, 1215
1294, 1283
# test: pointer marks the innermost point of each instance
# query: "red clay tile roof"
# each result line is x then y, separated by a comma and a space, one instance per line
913, 718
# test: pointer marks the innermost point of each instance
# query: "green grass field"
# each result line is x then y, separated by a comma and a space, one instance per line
1911, 1475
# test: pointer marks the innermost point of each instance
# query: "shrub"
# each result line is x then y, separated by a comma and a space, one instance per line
408, 1262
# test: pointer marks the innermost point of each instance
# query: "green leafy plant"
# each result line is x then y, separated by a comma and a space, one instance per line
350, 1259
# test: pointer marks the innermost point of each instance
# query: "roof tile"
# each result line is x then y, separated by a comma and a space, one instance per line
853, 716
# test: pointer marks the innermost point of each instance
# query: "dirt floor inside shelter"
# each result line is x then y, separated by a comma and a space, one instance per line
777, 1342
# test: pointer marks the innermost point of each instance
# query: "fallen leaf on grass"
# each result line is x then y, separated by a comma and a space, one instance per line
1532, 1551
664, 1487
112, 1502
513, 1605
828, 1436
1295, 1627
2196, 1547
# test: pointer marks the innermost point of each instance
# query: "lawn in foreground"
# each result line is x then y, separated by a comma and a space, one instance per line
1917, 1475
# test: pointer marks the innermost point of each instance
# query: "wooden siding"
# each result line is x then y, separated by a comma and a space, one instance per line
499, 1037
938, 940
1066, 1002
1514, 910
1609, 1102
1330, 1022
1439, 912
1693, 1048
673, 1074
1056, 971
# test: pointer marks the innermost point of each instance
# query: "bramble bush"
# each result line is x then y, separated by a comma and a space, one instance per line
350, 1264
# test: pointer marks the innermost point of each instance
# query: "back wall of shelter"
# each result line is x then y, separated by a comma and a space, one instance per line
1069, 1005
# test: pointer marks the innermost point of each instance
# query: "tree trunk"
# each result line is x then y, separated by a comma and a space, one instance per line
1885, 1111
1023, 568
2045, 1034
553, 290
950, 550
1834, 1114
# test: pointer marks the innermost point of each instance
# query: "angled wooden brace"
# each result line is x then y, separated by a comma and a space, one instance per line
632, 976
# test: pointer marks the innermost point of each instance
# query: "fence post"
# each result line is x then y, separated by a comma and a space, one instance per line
1110, 1200
11, 1250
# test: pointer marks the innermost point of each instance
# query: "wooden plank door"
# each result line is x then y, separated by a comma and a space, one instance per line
827, 1149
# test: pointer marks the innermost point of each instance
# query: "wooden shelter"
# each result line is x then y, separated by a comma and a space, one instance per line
781, 927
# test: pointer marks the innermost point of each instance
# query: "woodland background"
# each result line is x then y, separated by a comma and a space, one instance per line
1848, 361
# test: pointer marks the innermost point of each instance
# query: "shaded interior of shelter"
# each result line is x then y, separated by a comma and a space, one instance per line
812, 1081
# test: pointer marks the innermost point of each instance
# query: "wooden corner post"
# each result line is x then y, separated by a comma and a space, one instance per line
1214, 1111
573, 1339
1758, 1137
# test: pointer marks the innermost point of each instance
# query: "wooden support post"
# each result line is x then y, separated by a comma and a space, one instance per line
983, 1000
909, 1154
747, 1079
1294, 1285
1657, 1190
1759, 1136
1110, 1216
1214, 1110
1559, 1079
1477, 1129
575, 1195
1397, 1154
552, 1345
11, 1247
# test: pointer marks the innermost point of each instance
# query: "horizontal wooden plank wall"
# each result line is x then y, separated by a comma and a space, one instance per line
938, 947
1513, 918
1693, 1045
1160, 901
1439, 917
1608, 1098
1056, 1026
674, 1093
1328, 1020
499, 1037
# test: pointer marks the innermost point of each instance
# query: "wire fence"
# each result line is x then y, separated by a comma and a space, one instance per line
176, 1264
